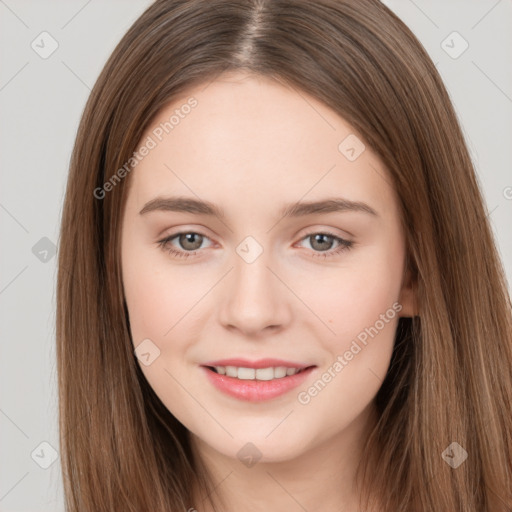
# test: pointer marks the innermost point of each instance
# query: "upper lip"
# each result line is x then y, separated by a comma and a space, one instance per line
260, 363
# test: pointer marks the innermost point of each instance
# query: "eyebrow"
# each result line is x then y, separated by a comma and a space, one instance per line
300, 209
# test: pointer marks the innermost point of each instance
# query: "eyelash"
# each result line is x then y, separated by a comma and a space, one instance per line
345, 245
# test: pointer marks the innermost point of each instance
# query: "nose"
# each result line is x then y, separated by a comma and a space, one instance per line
255, 301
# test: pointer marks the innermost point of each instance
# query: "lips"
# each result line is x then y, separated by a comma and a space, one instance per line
256, 381
260, 363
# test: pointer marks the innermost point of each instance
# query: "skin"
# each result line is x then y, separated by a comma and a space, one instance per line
252, 145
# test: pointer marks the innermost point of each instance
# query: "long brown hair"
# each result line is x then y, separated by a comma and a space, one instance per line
450, 373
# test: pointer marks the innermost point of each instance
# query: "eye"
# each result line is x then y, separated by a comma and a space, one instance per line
322, 243
190, 242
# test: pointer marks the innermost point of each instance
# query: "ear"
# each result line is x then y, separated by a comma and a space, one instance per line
408, 298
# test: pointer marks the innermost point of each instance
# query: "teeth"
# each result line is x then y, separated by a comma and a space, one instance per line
263, 374
280, 372
256, 374
231, 371
246, 373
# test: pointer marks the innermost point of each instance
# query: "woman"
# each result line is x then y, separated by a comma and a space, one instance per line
259, 368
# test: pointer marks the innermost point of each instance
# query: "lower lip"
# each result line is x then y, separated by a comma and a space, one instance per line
256, 390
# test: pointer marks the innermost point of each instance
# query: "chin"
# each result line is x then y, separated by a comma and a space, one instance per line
256, 448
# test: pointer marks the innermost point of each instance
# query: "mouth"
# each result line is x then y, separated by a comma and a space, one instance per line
261, 374
259, 382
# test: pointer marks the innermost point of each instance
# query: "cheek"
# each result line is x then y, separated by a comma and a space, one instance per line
358, 304
158, 298
354, 295
361, 310
160, 304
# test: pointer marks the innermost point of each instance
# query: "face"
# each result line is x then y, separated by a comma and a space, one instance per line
227, 262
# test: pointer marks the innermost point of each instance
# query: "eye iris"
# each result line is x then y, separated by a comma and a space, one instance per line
322, 245
188, 238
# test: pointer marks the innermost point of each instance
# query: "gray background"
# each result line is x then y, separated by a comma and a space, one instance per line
41, 100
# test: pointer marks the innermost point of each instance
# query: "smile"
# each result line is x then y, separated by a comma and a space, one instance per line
269, 373
256, 384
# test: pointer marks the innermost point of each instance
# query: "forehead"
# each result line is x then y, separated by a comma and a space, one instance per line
261, 140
